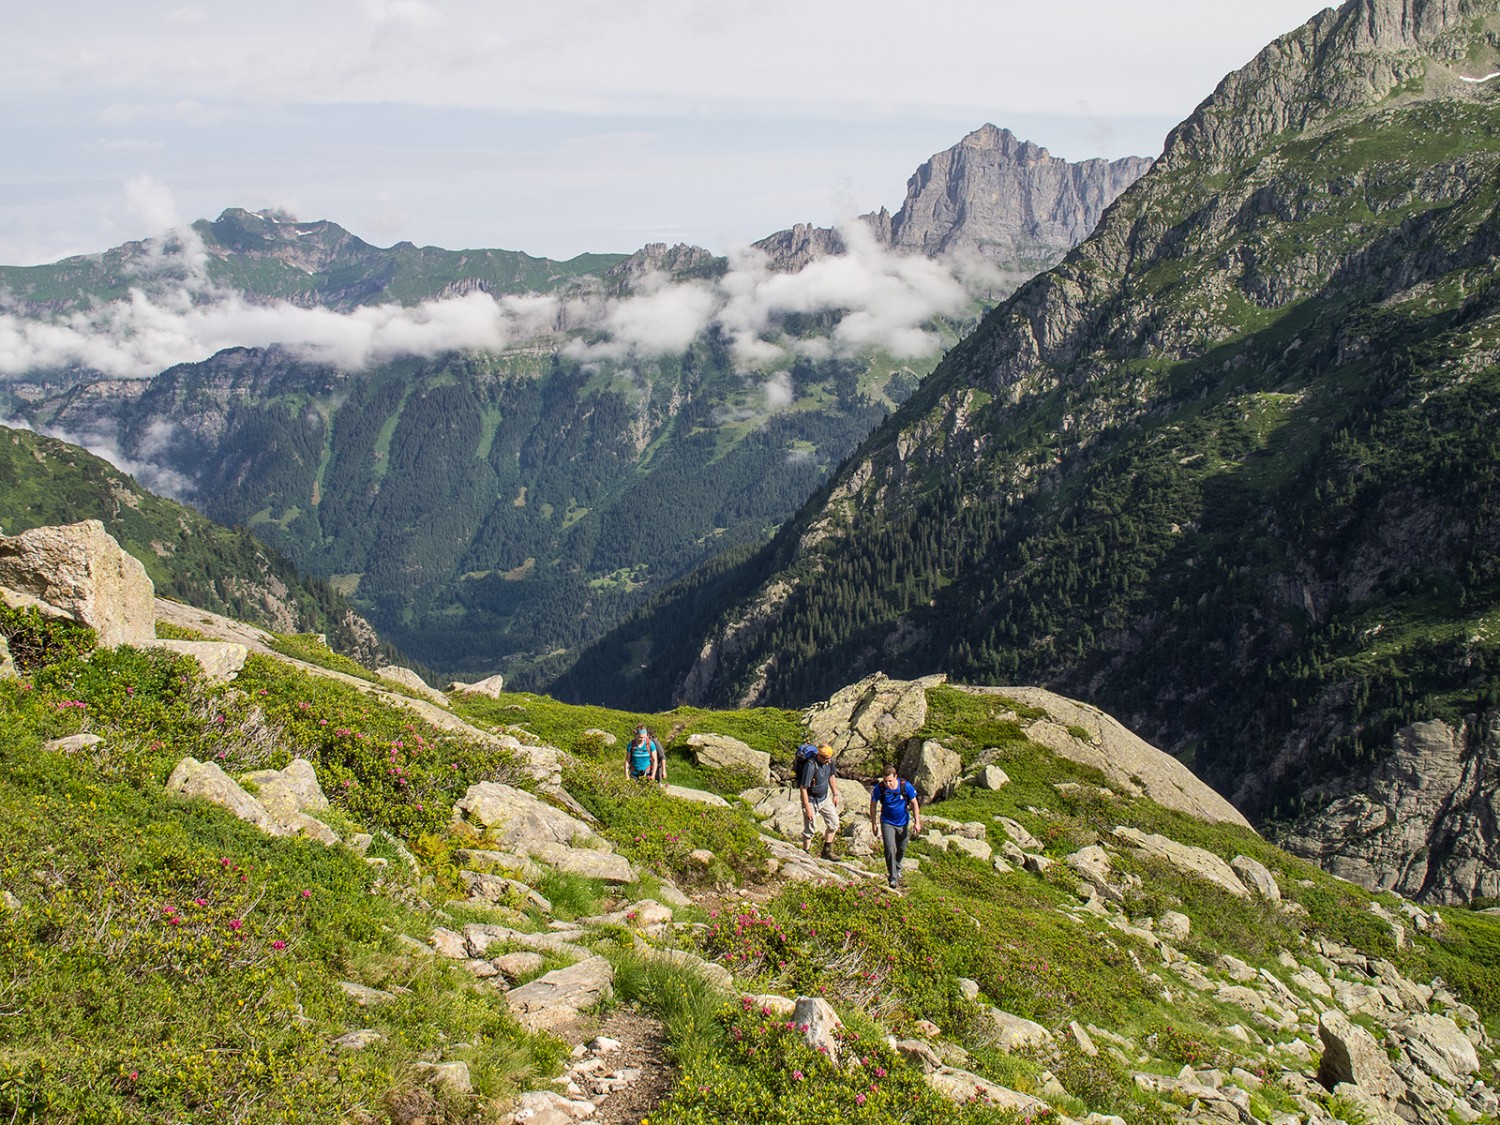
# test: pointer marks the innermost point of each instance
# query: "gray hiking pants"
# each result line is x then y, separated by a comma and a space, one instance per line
894, 837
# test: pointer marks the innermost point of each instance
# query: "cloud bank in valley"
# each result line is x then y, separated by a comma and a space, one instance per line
175, 315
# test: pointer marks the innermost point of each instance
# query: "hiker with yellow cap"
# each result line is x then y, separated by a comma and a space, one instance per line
820, 800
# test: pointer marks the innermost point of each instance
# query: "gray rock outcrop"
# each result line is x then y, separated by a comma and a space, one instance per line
1125, 758
221, 661
870, 719
288, 794
80, 570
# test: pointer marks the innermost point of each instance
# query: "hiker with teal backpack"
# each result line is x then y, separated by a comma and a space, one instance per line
643, 757
895, 816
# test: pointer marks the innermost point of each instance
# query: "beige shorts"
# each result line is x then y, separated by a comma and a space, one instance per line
824, 810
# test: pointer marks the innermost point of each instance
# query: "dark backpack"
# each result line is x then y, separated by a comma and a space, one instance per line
802, 763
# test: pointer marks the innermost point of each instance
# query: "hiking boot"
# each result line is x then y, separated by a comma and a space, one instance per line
827, 849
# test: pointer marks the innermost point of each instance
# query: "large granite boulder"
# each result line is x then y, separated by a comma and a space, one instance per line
80, 569
931, 767
865, 721
720, 752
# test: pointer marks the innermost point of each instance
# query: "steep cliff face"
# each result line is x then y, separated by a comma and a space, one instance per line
1008, 199
993, 195
1424, 822
1227, 469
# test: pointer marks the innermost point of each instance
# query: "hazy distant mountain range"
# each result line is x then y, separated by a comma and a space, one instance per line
495, 455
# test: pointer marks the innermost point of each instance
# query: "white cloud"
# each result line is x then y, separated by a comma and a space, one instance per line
779, 392
882, 300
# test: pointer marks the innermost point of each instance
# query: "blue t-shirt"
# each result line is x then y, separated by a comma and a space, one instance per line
640, 755
893, 802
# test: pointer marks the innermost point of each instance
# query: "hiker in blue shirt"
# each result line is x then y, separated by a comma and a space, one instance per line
894, 816
643, 757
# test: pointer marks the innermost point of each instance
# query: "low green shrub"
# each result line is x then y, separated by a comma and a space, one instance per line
659, 831
311, 648
35, 640
766, 1073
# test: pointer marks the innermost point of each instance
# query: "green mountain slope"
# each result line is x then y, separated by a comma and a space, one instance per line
500, 510
167, 959
265, 257
189, 558
1228, 471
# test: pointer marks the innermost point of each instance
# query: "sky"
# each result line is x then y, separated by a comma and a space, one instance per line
565, 126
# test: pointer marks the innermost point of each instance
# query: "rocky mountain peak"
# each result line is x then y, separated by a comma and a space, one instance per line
1351, 57
993, 194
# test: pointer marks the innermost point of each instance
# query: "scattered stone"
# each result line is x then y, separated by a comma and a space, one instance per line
522, 963
927, 1029
408, 679
1436, 1044
452, 1077
1018, 835
605, 737
1257, 876
818, 1023
919, 1054
515, 816
1351, 1055
365, 996
206, 780
1081, 1037
449, 944
1036, 864
702, 796
82, 571
720, 752
358, 1040
1190, 860
221, 661
412, 945
968, 989
491, 687
771, 1004
966, 1088
991, 777
73, 743
552, 1001
588, 862
360, 842
1174, 926
291, 790
1013, 1033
